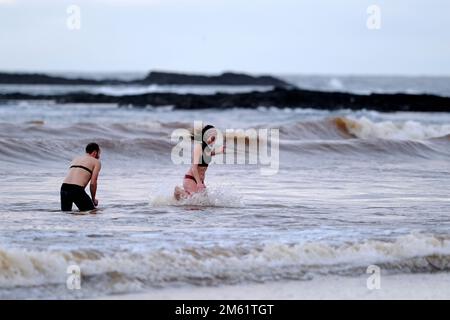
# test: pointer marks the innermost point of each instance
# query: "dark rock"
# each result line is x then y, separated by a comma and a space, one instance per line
279, 97
37, 78
231, 79
160, 78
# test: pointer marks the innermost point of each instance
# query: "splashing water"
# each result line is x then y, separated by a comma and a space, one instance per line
215, 196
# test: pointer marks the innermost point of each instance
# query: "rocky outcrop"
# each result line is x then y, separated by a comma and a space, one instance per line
279, 98
158, 78
229, 79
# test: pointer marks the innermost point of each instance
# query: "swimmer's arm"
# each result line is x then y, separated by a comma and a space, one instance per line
94, 178
218, 151
197, 156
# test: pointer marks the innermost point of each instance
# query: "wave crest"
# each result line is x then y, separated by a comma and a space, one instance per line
217, 264
343, 135
349, 128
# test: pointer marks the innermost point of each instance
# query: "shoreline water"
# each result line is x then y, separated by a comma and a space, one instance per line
393, 287
353, 189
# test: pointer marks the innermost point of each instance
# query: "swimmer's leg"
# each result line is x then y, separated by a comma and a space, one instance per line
66, 198
83, 201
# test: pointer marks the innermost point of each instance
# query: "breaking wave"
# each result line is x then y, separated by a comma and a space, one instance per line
363, 128
114, 271
36, 140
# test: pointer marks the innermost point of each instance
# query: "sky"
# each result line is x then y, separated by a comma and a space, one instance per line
212, 36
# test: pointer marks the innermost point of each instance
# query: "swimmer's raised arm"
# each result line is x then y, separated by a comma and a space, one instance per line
218, 150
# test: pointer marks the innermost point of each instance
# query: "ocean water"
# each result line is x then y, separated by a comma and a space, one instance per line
373, 84
353, 189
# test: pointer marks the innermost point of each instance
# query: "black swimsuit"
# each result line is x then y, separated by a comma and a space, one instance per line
204, 161
206, 156
82, 167
72, 193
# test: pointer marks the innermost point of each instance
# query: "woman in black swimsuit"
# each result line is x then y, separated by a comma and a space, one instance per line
203, 152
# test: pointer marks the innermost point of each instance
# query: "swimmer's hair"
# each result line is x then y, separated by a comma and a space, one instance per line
91, 147
204, 129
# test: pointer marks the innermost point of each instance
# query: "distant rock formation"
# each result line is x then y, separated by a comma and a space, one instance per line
37, 78
158, 78
279, 98
229, 79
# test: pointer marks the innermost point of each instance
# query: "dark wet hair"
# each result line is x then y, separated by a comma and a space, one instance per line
205, 128
91, 147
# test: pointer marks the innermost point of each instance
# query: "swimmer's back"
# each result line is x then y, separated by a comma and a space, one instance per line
81, 169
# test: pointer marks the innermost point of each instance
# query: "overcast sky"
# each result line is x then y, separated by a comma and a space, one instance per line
259, 36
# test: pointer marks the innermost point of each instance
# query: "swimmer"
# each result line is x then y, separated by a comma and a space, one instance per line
84, 169
194, 180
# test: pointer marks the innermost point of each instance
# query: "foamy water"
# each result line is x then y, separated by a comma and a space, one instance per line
353, 189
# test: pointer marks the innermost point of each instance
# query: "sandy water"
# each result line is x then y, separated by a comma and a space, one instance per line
353, 189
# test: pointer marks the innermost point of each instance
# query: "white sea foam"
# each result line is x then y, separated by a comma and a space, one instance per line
411, 253
216, 196
409, 130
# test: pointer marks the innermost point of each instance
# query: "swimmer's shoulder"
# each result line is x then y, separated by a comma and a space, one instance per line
77, 160
85, 160
96, 162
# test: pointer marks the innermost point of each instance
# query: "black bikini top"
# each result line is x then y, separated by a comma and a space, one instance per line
206, 150
82, 167
206, 157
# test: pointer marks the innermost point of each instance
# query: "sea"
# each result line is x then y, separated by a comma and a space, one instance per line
352, 190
